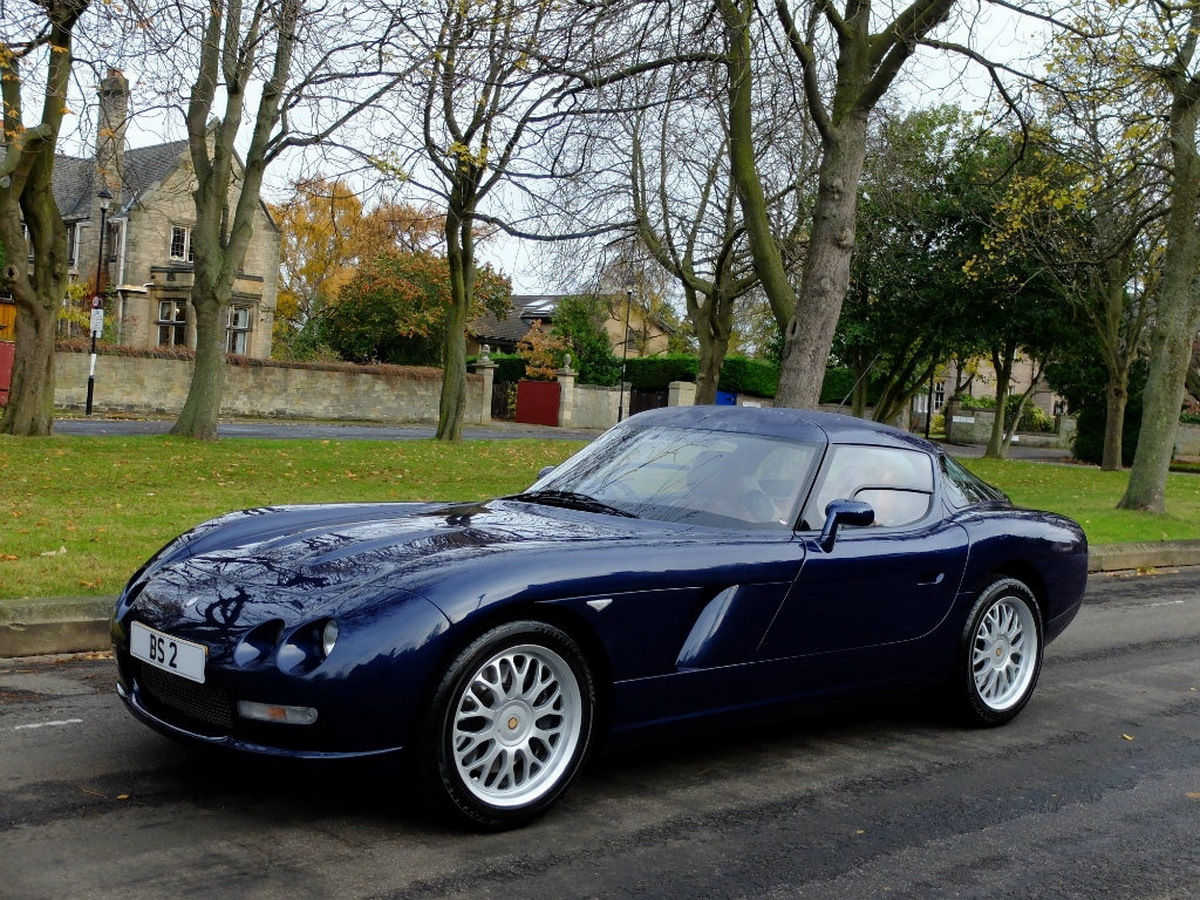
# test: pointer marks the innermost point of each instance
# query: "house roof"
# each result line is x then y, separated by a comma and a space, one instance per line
73, 179
144, 168
525, 310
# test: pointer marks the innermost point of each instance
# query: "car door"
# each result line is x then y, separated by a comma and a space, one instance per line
887, 583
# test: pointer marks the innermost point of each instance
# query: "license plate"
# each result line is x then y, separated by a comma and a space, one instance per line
171, 654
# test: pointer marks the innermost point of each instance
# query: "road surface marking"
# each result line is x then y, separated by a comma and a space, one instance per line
49, 724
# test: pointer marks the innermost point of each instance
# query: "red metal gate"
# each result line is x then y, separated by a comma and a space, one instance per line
537, 402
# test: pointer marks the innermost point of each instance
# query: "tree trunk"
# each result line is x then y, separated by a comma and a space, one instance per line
712, 321
30, 409
1176, 319
709, 364
1116, 395
460, 255
996, 446
826, 276
27, 203
202, 408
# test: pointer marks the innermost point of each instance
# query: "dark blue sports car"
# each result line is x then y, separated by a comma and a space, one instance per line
690, 563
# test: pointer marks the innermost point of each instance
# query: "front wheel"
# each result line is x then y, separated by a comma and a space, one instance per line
1000, 655
509, 726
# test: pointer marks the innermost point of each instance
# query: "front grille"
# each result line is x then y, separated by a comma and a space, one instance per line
200, 702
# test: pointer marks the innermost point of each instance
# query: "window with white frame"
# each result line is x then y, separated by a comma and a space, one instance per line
172, 323
112, 241
181, 243
239, 330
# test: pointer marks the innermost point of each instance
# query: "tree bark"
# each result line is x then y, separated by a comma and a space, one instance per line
27, 202
826, 273
460, 255
996, 446
712, 323
1178, 312
1116, 396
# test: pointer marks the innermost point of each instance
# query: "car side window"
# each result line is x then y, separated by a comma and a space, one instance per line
964, 489
897, 483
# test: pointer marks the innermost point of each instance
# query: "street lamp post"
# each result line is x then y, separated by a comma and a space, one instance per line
97, 321
624, 353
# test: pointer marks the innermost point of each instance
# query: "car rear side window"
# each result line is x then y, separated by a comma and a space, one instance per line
964, 489
897, 483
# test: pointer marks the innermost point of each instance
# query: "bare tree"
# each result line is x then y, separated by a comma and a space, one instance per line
868, 53
27, 202
507, 84
296, 72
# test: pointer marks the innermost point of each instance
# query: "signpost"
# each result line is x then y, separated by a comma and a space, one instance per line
97, 325
97, 331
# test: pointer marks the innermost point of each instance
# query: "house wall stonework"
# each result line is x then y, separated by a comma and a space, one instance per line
139, 385
149, 275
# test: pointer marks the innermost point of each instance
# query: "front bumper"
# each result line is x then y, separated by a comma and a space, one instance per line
166, 719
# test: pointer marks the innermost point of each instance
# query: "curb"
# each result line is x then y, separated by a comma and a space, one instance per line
31, 627
1146, 555
58, 625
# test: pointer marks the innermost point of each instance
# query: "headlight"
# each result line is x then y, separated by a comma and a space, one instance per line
307, 647
329, 636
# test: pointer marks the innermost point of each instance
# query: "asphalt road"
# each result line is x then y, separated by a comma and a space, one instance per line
1094, 791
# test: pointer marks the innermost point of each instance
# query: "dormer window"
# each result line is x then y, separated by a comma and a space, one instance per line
181, 243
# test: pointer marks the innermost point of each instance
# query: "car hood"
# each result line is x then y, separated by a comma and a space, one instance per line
282, 562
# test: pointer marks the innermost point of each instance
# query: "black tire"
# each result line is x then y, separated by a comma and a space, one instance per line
1000, 654
509, 727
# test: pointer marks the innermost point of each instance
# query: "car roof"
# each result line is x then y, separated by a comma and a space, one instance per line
794, 424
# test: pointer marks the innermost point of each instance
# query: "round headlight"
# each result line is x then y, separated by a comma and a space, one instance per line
329, 636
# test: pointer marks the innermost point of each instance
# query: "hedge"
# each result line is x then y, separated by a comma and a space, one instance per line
739, 375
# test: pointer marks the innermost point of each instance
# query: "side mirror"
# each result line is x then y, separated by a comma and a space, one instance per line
543, 472
844, 512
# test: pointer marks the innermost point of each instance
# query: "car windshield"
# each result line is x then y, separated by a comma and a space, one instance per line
716, 478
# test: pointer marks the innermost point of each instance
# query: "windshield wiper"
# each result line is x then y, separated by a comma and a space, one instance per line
570, 500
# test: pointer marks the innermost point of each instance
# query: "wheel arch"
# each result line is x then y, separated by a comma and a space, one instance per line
1027, 574
555, 614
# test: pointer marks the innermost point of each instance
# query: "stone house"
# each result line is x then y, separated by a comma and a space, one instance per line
146, 257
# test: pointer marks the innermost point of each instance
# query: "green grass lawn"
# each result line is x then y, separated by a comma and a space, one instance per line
79, 514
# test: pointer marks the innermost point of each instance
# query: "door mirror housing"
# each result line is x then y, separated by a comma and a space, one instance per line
844, 512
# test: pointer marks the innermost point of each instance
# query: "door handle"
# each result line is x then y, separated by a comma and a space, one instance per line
930, 580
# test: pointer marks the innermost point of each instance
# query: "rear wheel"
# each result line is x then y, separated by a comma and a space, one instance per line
509, 727
1000, 655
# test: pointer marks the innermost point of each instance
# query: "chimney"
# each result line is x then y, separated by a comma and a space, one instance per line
110, 131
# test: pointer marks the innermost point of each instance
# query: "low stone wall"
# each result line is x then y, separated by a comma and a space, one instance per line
1187, 442
595, 406
974, 426
129, 384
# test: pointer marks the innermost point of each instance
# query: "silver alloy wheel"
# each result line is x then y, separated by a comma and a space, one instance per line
516, 725
1004, 653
